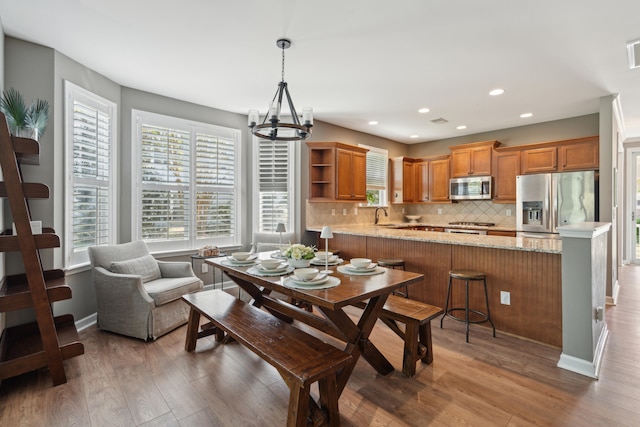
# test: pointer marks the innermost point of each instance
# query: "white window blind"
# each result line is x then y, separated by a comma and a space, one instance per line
274, 184
376, 170
90, 143
188, 192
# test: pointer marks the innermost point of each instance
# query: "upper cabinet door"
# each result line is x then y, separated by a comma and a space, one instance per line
539, 160
472, 159
506, 166
579, 155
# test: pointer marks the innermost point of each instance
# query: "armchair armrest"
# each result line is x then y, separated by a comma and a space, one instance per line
120, 287
176, 269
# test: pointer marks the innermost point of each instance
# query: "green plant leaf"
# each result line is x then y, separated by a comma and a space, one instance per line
13, 106
37, 116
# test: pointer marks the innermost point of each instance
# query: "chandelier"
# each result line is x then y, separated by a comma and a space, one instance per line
272, 127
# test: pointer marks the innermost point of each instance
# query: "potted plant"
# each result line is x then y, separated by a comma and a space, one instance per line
299, 255
24, 121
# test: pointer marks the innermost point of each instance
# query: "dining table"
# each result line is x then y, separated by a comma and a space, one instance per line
280, 295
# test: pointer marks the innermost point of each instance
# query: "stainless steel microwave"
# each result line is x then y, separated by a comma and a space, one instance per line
470, 188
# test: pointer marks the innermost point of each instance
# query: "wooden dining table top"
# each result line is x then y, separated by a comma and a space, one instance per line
352, 288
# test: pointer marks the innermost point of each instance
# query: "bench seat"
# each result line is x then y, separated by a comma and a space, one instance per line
416, 335
300, 358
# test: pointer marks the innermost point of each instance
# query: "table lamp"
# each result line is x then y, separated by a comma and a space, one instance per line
326, 234
280, 229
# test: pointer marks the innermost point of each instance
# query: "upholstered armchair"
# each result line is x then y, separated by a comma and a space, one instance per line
137, 295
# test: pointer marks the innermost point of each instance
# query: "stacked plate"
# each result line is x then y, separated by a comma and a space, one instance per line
333, 260
249, 261
261, 270
368, 269
318, 280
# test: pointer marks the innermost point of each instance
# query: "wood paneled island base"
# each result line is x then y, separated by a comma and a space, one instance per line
533, 278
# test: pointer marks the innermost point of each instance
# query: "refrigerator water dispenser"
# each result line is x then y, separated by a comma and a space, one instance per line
532, 212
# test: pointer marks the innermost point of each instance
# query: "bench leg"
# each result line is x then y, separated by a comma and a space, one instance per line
192, 330
329, 398
410, 349
425, 339
298, 405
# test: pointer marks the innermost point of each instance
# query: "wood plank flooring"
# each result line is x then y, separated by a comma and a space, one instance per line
502, 381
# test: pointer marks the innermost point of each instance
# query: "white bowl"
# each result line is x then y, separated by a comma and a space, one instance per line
360, 262
306, 273
413, 218
240, 256
270, 263
324, 255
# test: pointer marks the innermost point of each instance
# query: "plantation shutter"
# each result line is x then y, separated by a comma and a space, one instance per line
273, 182
91, 164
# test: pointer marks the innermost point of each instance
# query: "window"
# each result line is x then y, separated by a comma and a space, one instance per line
274, 195
187, 183
377, 165
90, 147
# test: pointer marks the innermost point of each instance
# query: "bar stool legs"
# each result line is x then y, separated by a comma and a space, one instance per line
393, 263
466, 276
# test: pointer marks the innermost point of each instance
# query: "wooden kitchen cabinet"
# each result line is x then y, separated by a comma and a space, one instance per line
422, 181
540, 160
506, 166
403, 180
472, 159
439, 180
569, 155
337, 171
582, 154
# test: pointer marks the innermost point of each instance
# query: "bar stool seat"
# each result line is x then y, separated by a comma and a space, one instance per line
393, 263
467, 276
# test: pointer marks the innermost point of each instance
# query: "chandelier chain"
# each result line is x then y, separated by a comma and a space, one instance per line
283, 62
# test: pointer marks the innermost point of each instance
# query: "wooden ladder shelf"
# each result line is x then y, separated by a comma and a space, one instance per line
50, 340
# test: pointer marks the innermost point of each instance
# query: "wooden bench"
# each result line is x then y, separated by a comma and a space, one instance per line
416, 335
300, 358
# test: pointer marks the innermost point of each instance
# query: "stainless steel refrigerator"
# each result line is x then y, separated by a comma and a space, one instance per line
546, 201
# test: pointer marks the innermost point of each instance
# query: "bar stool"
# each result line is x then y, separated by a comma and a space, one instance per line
393, 263
468, 275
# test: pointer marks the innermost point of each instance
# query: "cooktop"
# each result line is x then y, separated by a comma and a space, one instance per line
479, 224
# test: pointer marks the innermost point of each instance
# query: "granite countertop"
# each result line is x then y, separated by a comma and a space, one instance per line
496, 242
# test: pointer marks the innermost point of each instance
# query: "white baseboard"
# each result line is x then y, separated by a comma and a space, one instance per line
88, 321
585, 367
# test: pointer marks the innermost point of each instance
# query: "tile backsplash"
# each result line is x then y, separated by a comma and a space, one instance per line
319, 214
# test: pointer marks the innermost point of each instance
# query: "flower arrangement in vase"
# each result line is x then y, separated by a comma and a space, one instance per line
299, 255
24, 121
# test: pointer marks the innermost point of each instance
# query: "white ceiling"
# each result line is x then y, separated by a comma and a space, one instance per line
358, 60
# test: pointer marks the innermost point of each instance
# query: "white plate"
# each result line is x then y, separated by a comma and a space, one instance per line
247, 261
329, 283
352, 267
378, 270
258, 272
317, 261
332, 258
321, 278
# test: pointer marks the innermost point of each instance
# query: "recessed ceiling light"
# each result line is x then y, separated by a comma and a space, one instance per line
496, 92
423, 110
525, 115
373, 122
414, 136
461, 127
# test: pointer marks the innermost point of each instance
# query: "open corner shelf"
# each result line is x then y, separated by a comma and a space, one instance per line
50, 340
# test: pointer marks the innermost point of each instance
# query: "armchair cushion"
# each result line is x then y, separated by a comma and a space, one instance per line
145, 266
166, 290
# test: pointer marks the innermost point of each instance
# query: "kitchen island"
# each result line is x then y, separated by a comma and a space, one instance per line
529, 269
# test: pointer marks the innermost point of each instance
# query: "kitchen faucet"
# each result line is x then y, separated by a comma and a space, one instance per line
376, 214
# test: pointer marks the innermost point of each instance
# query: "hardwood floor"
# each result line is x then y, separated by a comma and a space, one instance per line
502, 381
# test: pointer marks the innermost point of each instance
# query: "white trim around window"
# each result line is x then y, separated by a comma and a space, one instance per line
186, 183
91, 149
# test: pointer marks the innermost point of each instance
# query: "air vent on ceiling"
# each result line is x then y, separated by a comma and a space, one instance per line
439, 121
633, 54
